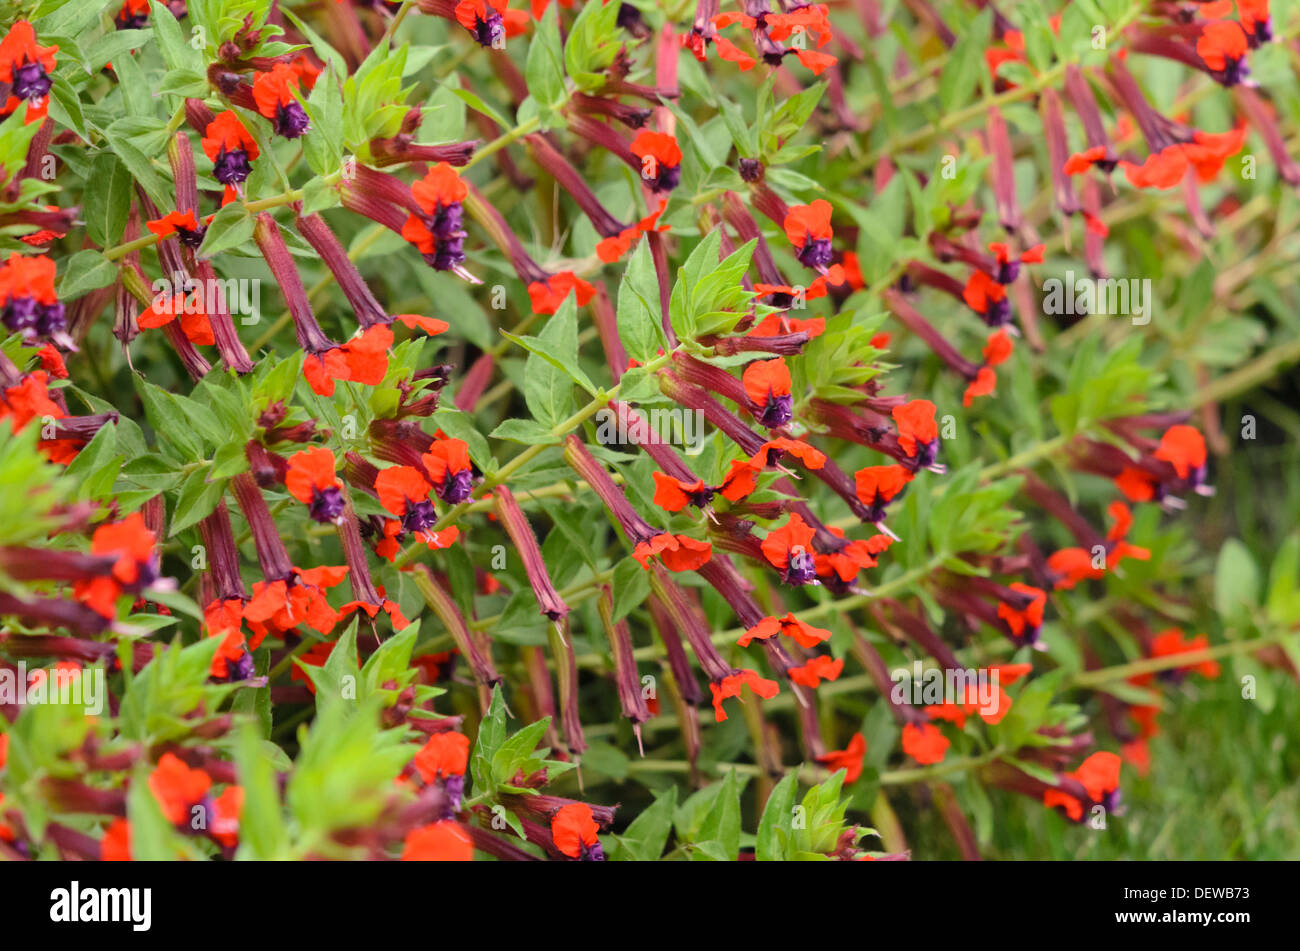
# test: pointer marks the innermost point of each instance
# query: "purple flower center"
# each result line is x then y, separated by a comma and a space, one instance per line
926, 453
51, 319
326, 504
801, 568
457, 487
816, 253
192, 238
666, 177
231, 167
446, 228
490, 32
420, 516
778, 411
1234, 72
1008, 271
291, 120
591, 853
21, 313
31, 82
454, 787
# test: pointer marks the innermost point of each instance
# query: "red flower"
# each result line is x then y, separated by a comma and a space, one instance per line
133, 544
490, 22
661, 159
1080, 162
815, 61
740, 481
775, 325
733, 54
226, 809
767, 384
855, 556
822, 667
1170, 643
1099, 775
443, 841
673, 495
184, 225
230, 148
984, 384
276, 94
986, 297
546, 297
677, 552
808, 228
877, 486
998, 348
848, 759
1070, 566
574, 830
611, 249
26, 67
918, 434
282, 605
1024, 624
443, 756
194, 322
177, 787
804, 634
311, 480
363, 359
115, 846
447, 463
732, 684
389, 607
1183, 447
789, 550
773, 449
1222, 45
925, 743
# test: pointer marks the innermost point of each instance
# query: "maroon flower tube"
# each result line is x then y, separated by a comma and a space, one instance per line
685, 616
271, 553
445, 607
267, 235
626, 678
364, 303
566, 678
516, 525
223, 557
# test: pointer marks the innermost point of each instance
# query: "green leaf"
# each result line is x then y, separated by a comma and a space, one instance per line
544, 70
777, 815
263, 833
631, 587
645, 838
323, 144
960, 80
1236, 580
197, 500
524, 431
86, 271
109, 201
548, 389
230, 228
639, 324
491, 734
721, 827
